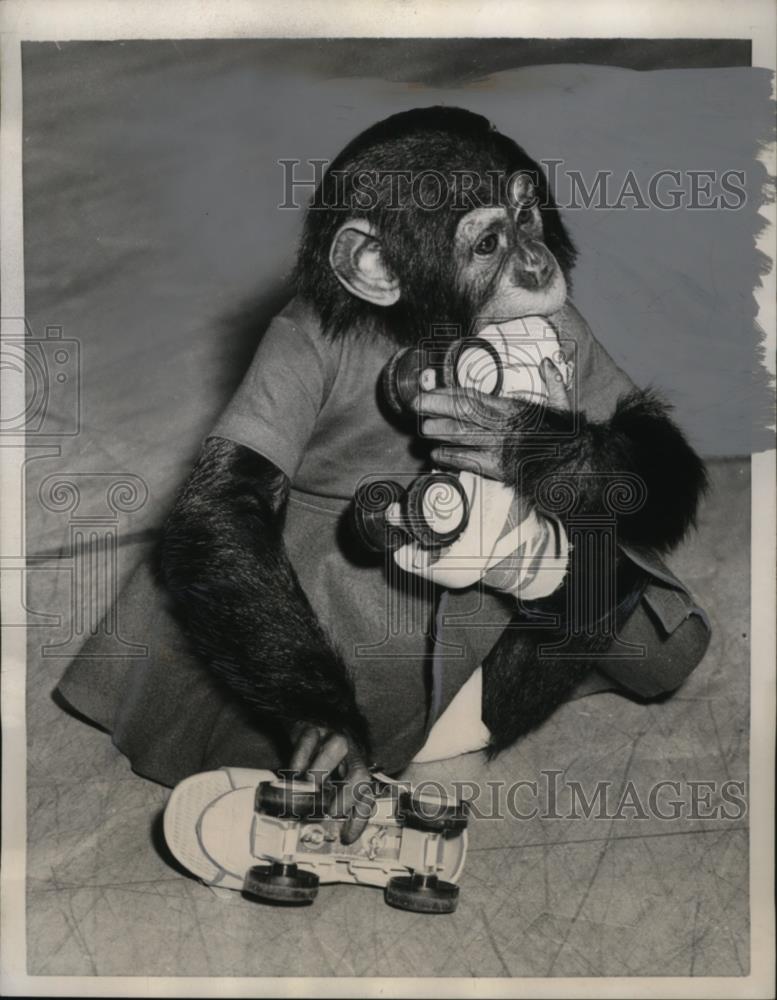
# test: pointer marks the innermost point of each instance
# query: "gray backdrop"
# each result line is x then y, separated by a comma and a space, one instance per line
152, 233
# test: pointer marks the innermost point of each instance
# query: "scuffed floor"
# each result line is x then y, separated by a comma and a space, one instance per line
540, 897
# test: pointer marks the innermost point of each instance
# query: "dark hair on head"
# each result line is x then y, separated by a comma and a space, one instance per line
453, 159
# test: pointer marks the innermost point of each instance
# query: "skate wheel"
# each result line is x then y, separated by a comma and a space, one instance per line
281, 884
432, 817
474, 363
370, 503
403, 378
422, 894
437, 509
289, 799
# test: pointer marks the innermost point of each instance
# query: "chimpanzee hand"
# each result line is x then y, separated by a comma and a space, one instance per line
323, 753
473, 426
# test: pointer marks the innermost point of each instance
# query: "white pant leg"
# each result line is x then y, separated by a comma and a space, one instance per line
460, 728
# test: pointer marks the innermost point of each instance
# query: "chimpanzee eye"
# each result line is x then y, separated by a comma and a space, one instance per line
487, 245
525, 215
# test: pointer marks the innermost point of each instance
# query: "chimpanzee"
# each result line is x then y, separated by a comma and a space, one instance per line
430, 223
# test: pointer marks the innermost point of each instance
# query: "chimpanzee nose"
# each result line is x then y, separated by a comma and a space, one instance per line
534, 265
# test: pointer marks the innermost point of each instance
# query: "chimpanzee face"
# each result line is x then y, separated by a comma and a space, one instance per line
502, 267
502, 263
432, 220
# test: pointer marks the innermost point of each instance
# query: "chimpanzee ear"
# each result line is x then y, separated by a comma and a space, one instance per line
356, 257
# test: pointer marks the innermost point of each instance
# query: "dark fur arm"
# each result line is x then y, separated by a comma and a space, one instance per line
224, 562
641, 439
523, 684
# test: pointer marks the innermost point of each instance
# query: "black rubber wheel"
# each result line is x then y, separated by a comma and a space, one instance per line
401, 378
474, 363
370, 503
452, 496
422, 894
432, 817
288, 800
281, 884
